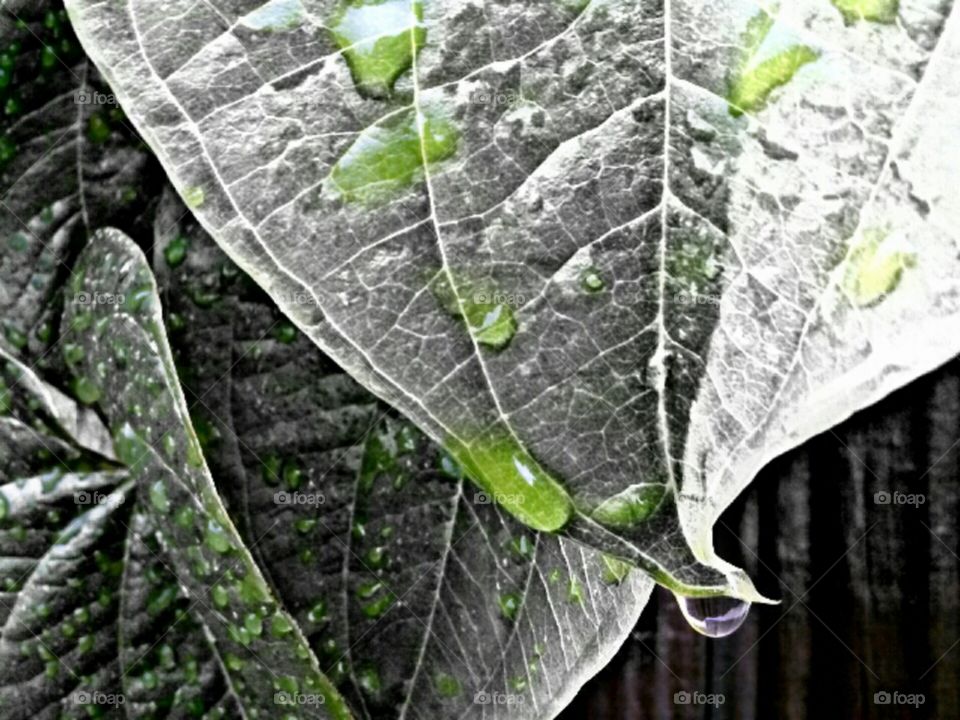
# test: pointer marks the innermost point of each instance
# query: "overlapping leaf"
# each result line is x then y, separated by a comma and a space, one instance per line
615, 255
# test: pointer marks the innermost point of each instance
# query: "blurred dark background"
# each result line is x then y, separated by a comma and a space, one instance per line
868, 583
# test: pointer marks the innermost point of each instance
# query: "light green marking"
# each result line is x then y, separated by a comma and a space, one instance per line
881, 11
492, 324
388, 157
488, 313
194, 197
615, 570
513, 479
630, 507
275, 15
378, 39
872, 272
447, 685
754, 81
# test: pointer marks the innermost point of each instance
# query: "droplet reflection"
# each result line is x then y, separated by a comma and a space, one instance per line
714, 617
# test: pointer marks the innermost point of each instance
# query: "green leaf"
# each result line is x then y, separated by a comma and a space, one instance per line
140, 396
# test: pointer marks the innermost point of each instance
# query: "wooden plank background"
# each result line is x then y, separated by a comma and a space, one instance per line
869, 590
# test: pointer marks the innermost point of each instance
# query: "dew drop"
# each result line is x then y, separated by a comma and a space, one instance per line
176, 251
591, 280
714, 617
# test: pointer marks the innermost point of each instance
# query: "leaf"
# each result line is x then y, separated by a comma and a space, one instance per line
594, 144
369, 533
69, 162
78, 580
127, 360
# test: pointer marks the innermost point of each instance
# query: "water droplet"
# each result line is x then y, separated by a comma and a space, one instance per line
280, 625
389, 157
510, 605
447, 685
287, 683
368, 589
98, 129
305, 525
376, 558
318, 613
292, 475
220, 597
176, 251
275, 15
714, 617
217, 538
615, 570
158, 496
270, 472
253, 623
509, 475
184, 516
285, 332
85, 390
376, 609
194, 197
591, 280
378, 39
369, 680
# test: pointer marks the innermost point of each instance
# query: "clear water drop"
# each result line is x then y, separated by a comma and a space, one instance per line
715, 617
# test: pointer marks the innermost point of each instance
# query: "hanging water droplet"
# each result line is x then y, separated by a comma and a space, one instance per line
714, 617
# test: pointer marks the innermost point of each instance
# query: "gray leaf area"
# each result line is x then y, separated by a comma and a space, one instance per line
93, 619
650, 244
70, 162
419, 600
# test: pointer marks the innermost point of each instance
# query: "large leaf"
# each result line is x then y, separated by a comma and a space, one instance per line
400, 553
615, 254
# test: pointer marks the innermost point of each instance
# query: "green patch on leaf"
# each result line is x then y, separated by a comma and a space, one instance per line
874, 271
487, 312
275, 15
756, 78
629, 508
390, 157
881, 11
615, 570
378, 38
194, 197
511, 477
